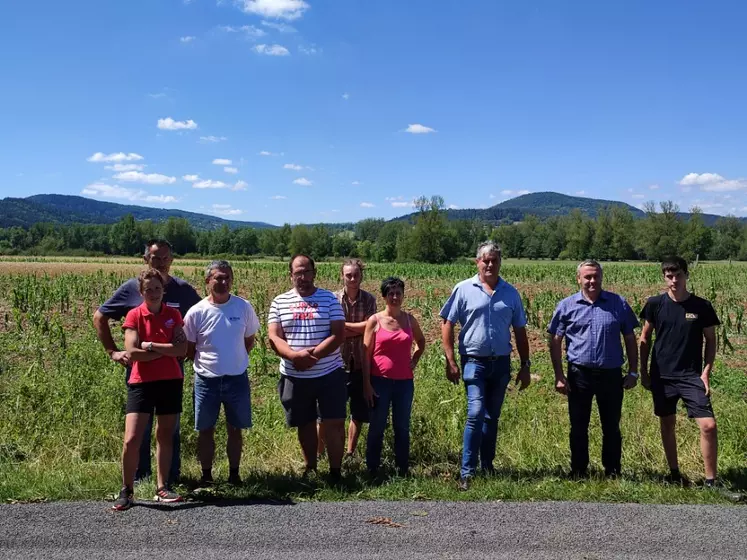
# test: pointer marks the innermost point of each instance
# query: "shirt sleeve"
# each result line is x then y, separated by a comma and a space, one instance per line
252, 322
371, 307
648, 313
190, 325
557, 326
629, 321
130, 321
450, 310
710, 319
519, 319
273, 316
123, 300
335, 310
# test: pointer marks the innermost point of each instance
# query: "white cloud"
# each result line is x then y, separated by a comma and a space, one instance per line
231, 170
170, 124
507, 192
191, 178
401, 204
145, 178
293, 166
491, 196
226, 210
278, 197
346, 96
367, 205
281, 27
240, 186
654, 187
356, 183
102, 190
275, 9
310, 50
269, 154
713, 182
303, 181
118, 157
248, 30
272, 50
222, 161
212, 139
187, 39
639, 196
419, 129
210, 184
390, 198
524, 191
125, 167
453, 207
686, 189
159, 95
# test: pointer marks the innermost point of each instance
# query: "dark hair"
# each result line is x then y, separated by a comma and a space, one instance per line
391, 282
298, 256
353, 262
148, 274
673, 264
156, 241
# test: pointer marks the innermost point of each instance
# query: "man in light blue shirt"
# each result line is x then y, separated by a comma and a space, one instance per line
486, 307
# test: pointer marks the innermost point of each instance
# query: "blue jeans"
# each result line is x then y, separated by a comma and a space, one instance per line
398, 394
232, 391
485, 382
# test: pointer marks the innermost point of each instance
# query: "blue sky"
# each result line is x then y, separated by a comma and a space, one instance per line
346, 109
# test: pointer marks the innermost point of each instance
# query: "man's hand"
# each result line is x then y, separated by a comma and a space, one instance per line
561, 385
523, 379
705, 378
144, 345
122, 358
369, 394
645, 379
630, 381
452, 372
304, 360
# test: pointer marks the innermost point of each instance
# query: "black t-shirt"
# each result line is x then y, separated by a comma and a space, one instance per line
178, 293
678, 349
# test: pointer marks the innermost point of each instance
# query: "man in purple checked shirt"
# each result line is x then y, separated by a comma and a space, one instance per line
591, 321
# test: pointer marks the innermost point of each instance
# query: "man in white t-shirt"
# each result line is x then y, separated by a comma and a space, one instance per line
306, 327
220, 332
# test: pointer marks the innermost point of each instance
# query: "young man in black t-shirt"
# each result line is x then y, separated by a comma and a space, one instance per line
679, 369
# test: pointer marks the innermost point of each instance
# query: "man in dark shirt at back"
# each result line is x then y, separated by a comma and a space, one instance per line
178, 294
678, 369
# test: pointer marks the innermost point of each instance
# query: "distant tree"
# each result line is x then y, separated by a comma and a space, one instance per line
124, 237
579, 235
623, 225
601, 243
368, 229
245, 242
426, 242
727, 238
343, 245
180, 234
696, 239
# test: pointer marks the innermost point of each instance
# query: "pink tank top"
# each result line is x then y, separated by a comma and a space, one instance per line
392, 352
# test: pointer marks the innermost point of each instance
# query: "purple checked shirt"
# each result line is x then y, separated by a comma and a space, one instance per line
592, 330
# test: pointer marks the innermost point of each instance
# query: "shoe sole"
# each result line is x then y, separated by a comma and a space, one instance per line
122, 508
169, 500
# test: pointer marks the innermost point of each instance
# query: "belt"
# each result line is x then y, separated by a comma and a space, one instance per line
485, 358
594, 368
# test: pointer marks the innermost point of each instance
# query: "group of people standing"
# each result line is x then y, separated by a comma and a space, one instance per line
336, 347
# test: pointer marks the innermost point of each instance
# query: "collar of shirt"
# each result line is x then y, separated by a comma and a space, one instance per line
147, 312
581, 299
477, 282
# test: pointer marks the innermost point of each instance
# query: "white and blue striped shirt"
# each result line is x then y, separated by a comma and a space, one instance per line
305, 322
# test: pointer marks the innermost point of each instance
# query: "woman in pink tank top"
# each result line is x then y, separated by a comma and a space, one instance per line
388, 374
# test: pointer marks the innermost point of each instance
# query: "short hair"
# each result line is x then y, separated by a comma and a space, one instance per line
588, 262
160, 241
148, 274
391, 282
298, 256
487, 247
217, 265
353, 262
673, 264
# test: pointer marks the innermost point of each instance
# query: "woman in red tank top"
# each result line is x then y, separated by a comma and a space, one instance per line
388, 374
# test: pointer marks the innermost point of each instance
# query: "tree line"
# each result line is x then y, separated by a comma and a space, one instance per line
613, 234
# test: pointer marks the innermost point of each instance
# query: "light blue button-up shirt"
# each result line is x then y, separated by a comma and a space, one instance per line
485, 319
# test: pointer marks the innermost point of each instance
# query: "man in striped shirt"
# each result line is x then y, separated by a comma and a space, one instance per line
306, 328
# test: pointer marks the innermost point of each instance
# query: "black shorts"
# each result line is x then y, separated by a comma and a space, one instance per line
359, 409
691, 390
165, 397
303, 398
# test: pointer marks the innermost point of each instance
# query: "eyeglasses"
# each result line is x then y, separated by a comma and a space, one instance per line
303, 273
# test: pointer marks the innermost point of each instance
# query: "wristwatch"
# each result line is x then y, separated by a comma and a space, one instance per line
526, 363
633, 373
150, 347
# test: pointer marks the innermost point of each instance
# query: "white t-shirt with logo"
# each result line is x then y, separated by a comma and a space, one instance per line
218, 331
306, 323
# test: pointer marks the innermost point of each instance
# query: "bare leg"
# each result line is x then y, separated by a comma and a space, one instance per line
354, 432
335, 432
135, 424
709, 445
234, 446
165, 425
669, 440
308, 440
206, 448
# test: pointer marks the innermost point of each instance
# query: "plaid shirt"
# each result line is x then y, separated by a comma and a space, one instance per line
352, 349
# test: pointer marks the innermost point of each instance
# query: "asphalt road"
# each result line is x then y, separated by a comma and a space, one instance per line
88, 530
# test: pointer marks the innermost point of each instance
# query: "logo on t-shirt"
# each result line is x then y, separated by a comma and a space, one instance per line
234, 318
691, 316
169, 323
303, 310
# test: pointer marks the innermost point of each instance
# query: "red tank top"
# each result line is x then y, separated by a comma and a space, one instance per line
392, 352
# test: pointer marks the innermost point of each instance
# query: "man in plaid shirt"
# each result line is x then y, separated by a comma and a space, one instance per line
358, 305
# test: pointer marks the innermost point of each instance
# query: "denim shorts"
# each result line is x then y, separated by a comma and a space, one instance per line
230, 390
